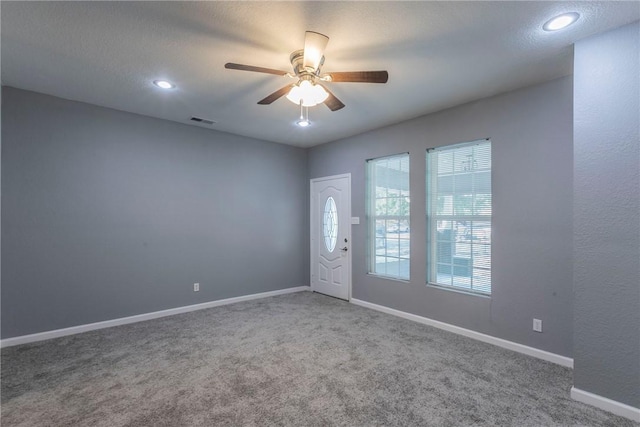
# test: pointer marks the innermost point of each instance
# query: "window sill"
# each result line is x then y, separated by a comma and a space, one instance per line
391, 278
458, 290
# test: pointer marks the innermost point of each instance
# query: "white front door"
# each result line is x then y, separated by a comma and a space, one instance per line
331, 236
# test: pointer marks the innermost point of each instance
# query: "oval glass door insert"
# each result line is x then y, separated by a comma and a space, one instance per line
330, 224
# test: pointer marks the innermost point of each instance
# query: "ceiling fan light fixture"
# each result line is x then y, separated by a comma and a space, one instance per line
314, 46
308, 93
561, 21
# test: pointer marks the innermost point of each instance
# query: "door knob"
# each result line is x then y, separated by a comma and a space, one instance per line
344, 249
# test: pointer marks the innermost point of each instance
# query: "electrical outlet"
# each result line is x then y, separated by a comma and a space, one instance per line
196, 287
537, 325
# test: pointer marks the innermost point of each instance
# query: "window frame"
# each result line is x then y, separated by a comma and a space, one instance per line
372, 218
432, 220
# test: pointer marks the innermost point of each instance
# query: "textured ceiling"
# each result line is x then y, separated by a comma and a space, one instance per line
438, 54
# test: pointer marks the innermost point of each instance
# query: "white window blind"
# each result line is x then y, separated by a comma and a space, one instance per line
388, 202
459, 216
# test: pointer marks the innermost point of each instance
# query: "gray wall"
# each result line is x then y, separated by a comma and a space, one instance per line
108, 214
531, 133
607, 215
0, 209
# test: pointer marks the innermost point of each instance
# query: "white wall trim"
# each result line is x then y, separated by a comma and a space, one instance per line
510, 345
41, 336
606, 404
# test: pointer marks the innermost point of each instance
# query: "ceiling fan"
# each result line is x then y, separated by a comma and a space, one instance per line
310, 90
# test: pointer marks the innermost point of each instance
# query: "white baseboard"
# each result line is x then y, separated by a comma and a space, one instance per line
41, 336
606, 404
520, 348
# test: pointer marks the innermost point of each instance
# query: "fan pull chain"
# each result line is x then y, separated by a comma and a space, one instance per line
304, 116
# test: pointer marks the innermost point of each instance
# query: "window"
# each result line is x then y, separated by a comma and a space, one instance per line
388, 214
459, 216
330, 224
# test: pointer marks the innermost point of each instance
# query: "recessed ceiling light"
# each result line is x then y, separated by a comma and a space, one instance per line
164, 84
561, 21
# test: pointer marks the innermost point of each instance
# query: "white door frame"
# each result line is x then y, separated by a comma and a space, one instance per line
348, 228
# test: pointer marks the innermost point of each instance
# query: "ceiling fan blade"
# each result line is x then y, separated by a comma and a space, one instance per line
332, 102
360, 76
314, 45
232, 66
275, 95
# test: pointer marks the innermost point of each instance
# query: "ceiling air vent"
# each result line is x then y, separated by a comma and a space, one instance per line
202, 121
